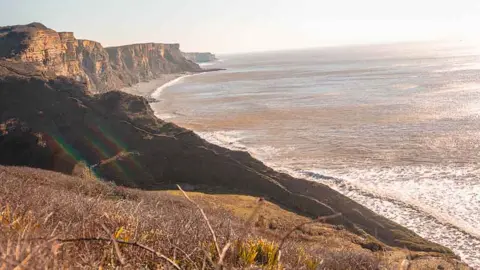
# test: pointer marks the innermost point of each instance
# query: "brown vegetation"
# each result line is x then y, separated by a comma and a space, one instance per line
50, 220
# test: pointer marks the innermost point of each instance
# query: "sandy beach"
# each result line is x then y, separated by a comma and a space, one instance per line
146, 89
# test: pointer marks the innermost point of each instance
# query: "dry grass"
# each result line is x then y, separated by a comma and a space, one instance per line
52, 221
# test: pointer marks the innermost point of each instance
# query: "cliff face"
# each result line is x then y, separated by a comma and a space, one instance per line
87, 61
95, 63
139, 62
200, 57
47, 49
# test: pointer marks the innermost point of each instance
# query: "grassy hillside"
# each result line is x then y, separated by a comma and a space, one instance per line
50, 220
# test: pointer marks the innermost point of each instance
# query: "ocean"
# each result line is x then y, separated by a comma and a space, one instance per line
394, 127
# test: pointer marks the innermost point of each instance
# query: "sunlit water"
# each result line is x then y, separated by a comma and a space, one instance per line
397, 126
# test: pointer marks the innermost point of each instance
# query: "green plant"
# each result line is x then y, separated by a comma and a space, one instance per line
258, 252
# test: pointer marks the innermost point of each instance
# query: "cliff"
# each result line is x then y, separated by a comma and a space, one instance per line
101, 69
142, 62
200, 57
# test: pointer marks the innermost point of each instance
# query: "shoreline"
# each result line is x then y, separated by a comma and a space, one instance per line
158, 91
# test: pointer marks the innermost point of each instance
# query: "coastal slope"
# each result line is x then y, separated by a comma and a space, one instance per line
166, 222
49, 119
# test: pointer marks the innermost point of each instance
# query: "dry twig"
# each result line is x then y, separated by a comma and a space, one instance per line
115, 244
212, 232
158, 254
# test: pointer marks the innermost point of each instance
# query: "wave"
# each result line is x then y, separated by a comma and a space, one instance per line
464, 67
405, 86
228, 139
165, 116
207, 64
397, 203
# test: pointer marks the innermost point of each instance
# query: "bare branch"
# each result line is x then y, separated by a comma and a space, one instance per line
185, 254
204, 217
222, 255
115, 244
158, 254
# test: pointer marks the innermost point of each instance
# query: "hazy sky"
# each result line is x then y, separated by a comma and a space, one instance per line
250, 25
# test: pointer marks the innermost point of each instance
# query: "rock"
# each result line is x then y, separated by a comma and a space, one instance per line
151, 99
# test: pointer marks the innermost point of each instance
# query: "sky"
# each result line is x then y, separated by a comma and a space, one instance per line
228, 26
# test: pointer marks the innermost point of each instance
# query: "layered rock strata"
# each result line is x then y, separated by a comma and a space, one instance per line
88, 62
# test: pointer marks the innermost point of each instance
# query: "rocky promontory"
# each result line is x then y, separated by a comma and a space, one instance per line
200, 57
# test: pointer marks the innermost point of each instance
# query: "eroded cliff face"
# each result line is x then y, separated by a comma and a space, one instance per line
95, 63
87, 61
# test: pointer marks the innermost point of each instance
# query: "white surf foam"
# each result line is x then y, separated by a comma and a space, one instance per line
435, 202
450, 194
207, 64
165, 116
228, 138
459, 68
233, 140
405, 86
